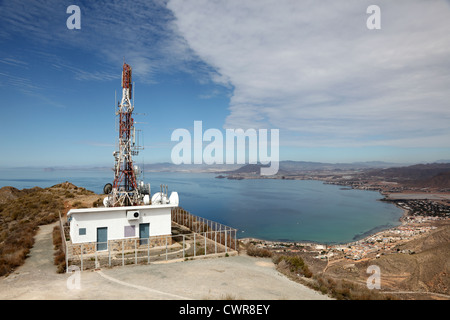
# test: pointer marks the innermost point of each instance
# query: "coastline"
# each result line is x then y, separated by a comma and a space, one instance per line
358, 238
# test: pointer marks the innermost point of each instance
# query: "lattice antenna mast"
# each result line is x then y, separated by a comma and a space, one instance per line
125, 190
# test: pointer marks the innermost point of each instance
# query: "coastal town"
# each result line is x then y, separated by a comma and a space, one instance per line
383, 242
373, 246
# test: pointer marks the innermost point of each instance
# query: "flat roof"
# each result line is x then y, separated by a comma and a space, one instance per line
128, 208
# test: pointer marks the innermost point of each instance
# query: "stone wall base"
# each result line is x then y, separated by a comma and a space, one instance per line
121, 245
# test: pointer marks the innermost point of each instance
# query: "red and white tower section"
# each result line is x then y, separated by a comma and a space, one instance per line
125, 190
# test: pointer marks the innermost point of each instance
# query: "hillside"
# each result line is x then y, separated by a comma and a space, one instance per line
23, 211
414, 172
425, 269
432, 264
435, 175
441, 180
8, 194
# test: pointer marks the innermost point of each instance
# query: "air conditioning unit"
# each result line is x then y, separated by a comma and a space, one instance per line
133, 215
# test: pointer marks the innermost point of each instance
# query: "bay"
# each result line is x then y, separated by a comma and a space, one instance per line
270, 209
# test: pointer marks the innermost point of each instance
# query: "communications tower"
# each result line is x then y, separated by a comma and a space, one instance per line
125, 190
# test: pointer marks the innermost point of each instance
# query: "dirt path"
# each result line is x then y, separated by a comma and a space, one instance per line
239, 277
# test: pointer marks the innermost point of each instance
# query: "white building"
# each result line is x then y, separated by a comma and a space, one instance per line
114, 223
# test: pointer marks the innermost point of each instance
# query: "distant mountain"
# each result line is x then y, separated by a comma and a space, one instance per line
377, 164
441, 180
442, 161
248, 169
414, 172
289, 167
170, 167
431, 175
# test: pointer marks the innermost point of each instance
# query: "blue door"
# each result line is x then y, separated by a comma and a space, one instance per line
102, 238
144, 233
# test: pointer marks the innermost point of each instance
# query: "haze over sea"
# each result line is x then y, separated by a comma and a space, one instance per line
289, 210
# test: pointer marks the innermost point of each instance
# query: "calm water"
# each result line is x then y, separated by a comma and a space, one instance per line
292, 210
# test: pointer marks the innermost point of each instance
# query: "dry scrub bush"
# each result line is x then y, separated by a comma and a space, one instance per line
345, 290
294, 264
19, 220
254, 251
59, 256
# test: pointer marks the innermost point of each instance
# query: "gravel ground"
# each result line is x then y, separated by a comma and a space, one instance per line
237, 277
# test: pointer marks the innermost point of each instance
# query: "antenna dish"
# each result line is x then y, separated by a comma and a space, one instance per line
156, 198
107, 188
173, 199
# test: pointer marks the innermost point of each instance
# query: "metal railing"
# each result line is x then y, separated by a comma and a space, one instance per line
198, 224
63, 237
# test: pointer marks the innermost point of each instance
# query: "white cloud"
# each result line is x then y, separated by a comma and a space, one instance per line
139, 31
314, 69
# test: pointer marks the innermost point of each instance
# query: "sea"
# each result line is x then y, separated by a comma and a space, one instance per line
269, 209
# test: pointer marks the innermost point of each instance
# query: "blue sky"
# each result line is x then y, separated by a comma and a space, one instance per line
337, 91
